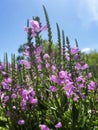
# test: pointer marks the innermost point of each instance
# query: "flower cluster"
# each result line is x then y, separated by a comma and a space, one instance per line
47, 92
35, 27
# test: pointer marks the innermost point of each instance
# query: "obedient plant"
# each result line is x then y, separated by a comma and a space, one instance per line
48, 89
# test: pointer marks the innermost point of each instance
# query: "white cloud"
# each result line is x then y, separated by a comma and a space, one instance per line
87, 10
86, 50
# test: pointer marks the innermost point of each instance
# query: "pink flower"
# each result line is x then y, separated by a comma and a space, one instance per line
21, 122
38, 50
8, 80
13, 95
91, 85
33, 33
44, 28
74, 50
47, 65
58, 125
26, 29
26, 52
69, 88
26, 63
54, 79
46, 56
6, 98
33, 101
78, 66
67, 57
80, 85
25, 94
2, 66
80, 79
43, 127
62, 74
53, 89
89, 75
53, 67
85, 66
35, 25
4, 73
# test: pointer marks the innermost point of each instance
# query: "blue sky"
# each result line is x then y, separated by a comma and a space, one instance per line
78, 18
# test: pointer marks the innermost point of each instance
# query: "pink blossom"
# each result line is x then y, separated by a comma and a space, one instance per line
13, 95
25, 94
44, 28
91, 85
43, 127
81, 85
6, 98
35, 25
46, 56
33, 101
89, 75
26, 29
58, 125
26, 63
80, 79
78, 66
4, 73
53, 67
74, 50
69, 88
85, 66
54, 79
47, 65
38, 50
8, 80
62, 74
53, 89
67, 57
21, 122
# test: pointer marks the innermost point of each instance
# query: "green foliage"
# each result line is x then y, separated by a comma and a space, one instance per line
92, 60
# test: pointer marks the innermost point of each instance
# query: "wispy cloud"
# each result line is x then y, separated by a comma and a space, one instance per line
87, 10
